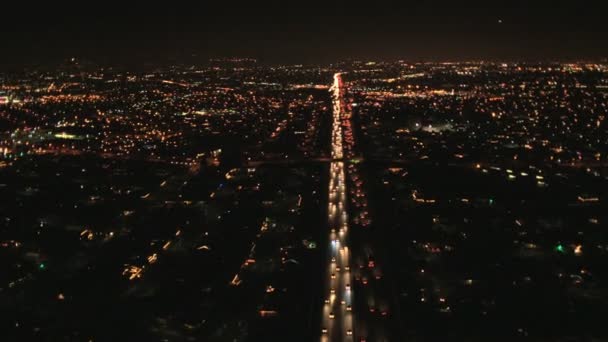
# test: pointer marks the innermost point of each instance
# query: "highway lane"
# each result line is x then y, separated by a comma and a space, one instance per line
371, 305
337, 321
346, 318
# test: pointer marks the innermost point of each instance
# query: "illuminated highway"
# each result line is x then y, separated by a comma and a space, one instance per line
352, 264
337, 321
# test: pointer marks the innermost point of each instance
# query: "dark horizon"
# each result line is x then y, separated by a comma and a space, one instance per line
308, 33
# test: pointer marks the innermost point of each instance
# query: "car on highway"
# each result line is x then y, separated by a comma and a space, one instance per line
371, 263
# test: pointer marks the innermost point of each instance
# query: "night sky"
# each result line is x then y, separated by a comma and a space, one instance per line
304, 31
